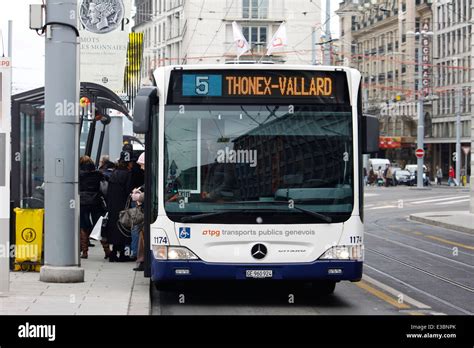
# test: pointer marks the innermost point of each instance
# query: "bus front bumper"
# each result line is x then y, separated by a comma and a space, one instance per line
199, 270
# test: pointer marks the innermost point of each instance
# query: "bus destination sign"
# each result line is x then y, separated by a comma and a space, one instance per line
254, 86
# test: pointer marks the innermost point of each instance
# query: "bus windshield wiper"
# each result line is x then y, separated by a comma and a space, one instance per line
320, 216
313, 213
198, 217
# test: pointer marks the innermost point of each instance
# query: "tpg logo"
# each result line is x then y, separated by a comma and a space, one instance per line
4, 63
184, 233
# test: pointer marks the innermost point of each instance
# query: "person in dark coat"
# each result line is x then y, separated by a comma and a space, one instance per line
92, 201
118, 191
106, 166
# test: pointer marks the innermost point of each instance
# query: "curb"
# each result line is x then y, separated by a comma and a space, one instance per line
140, 299
450, 226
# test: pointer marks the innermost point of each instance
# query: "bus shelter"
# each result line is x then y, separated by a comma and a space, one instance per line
98, 131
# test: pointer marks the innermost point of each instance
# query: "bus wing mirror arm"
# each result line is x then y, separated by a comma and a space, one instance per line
144, 101
370, 134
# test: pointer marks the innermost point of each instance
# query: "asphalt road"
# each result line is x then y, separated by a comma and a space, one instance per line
410, 269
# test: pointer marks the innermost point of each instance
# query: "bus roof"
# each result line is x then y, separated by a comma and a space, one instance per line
256, 67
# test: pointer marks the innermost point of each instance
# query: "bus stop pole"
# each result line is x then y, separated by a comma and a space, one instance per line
61, 157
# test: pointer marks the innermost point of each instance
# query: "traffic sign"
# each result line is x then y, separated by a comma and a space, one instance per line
420, 153
466, 149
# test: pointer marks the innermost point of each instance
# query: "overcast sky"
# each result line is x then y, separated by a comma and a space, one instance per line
28, 47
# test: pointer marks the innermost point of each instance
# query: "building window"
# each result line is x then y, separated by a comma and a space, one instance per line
255, 9
256, 37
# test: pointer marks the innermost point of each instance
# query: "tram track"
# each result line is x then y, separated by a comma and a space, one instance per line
419, 269
446, 280
444, 258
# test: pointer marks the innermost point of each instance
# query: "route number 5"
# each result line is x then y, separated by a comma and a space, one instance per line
202, 85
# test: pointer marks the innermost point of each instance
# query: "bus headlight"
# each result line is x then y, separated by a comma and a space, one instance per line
163, 252
344, 252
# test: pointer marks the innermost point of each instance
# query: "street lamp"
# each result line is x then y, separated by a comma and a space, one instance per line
421, 116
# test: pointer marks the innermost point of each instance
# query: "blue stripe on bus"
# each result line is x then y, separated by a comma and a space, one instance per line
200, 270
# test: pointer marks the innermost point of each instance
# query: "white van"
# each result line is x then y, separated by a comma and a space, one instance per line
414, 167
377, 162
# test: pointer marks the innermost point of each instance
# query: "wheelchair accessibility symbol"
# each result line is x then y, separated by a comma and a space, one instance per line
28, 235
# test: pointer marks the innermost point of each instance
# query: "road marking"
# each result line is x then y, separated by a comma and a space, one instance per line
383, 207
420, 250
394, 292
368, 205
400, 230
416, 313
419, 290
438, 199
381, 295
453, 202
424, 271
451, 242
371, 194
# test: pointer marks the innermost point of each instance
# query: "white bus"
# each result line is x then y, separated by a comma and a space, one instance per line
254, 172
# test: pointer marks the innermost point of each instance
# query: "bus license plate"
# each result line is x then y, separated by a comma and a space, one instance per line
259, 274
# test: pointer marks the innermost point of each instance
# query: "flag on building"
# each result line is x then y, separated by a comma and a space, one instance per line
279, 40
240, 40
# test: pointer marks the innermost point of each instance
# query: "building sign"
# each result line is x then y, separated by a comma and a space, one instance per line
247, 86
426, 59
390, 143
104, 28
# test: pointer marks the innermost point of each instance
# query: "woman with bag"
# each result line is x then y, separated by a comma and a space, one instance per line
118, 192
139, 197
92, 202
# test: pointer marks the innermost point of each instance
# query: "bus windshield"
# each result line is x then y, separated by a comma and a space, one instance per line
247, 163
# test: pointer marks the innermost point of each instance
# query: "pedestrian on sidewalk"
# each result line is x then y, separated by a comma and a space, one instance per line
141, 239
137, 182
92, 203
118, 191
380, 176
372, 176
106, 167
439, 175
451, 176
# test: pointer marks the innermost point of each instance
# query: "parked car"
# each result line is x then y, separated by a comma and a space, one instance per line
402, 177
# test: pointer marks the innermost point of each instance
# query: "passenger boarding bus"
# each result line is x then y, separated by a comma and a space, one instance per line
254, 172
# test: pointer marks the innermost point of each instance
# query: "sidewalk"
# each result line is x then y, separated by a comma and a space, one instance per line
109, 289
461, 221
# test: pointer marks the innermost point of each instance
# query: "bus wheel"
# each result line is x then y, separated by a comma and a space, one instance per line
324, 287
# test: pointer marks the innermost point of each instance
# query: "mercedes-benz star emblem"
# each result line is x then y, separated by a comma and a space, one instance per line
101, 16
259, 251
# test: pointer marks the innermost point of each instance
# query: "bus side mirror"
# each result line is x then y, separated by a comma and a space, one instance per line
144, 101
370, 134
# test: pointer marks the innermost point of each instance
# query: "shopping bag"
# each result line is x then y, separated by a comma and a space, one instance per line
96, 231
